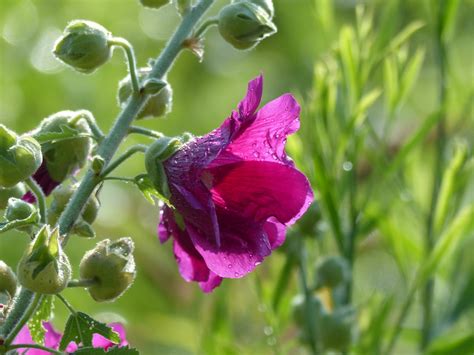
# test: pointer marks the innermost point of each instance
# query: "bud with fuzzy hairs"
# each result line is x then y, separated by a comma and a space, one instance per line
111, 266
16, 191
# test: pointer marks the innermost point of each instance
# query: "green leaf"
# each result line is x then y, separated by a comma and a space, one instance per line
410, 74
80, 328
403, 36
111, 351
448, 15
453, 344
146, 187
43, 314
65, 134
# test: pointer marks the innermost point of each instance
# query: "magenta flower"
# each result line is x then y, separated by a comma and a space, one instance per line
235, 192
53, 338
47, 183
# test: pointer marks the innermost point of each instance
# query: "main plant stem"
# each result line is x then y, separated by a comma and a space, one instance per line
107, 149
428, 290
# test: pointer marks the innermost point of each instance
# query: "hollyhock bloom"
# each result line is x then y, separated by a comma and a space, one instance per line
53, 338
235, 191
47, 183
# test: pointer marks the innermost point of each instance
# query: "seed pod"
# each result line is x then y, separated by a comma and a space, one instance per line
112, 266
84, 46
332, 272
45, 268
244, 24
63, 158
20, 157
16, 191
157, 153
7, 279
161, 95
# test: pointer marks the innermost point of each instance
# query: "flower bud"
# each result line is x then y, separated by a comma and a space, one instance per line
332, 272
336, 330
266, 5
84, 46
156, 154
301, 313
61, 196
7, 279
154, 4
20, 157
244, 24
19, 210
6, 192
161, 94
64, 157
112, 266
45, 268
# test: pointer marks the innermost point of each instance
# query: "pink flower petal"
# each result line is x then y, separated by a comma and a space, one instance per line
276, 232
259, 190
98, 341
211, 283
249, 104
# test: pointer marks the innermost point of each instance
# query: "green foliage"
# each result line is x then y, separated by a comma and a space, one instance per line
80, 328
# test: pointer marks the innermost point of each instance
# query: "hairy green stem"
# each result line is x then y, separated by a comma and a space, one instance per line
139, 148
132, 62
145, 132
428, 290
40, 198
213, 21
108, 148
96, 131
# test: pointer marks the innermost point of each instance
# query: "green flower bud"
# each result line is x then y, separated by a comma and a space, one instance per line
61, 196
7, 279
244, 24
19, 210
84, 46
336, 330
160, 101
6, 192
301, 314
332, 272
154, 4
156, 154
45, 268
112, 266
64, 157
20, 157
266, 5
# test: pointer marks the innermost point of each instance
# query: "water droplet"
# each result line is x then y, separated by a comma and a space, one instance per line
257, 263
347, 166
236, 274
268, 330
229, 266
271, 341
256, 154
274, 156
254, 144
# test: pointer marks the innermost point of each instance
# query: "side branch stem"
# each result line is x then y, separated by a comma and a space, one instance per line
40, 198
132, 62
17, 316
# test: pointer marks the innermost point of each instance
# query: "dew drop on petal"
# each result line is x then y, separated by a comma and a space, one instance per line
257, 263
229, 266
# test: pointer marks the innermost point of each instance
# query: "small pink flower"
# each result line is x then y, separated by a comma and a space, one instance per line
235, 192
53, 338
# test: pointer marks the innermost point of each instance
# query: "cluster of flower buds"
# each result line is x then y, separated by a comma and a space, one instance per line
111, 268
20, 157
322, 314
245, 23
44, 268
161, 94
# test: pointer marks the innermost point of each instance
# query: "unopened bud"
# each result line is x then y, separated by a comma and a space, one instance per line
157, 153
336, 330
64, 157
154, 4
97, 164
19, 210
16, 191
84, 46
61, 196
266, 5
332, 272
45, 268
20, 157
7, 279
244, 24
112, 266
161, 94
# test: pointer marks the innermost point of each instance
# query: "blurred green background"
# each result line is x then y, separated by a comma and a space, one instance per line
164, 314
